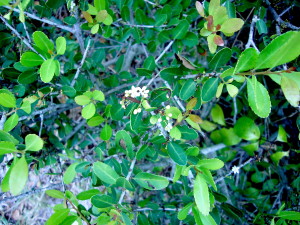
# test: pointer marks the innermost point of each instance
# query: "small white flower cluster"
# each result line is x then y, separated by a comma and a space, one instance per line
137, 92
136, 111
168, 117
235, 169
133, 93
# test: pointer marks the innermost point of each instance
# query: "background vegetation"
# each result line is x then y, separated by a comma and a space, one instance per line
149, 112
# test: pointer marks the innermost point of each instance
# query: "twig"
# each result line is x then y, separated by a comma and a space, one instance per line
164, 51
32, 16
26, 31
76, 129
41, 125
251, 34
20, 37
149, 209
212, 149
78, 212
127, 178
81, 63
231, 172
278, 18
2, 121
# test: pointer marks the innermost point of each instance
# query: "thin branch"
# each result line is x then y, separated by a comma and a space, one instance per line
20, 37
278, 18
81, 63
127, 178
76, 129
231, 172
212, 149
164, 51
2, 121
251, 34
32, 16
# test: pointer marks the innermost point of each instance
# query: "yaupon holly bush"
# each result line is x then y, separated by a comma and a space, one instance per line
172, 111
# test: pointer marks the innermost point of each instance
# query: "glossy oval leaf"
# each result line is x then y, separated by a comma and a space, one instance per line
187, 90
220, 59
11, 122
47, 70
61, 45
246, 128
177, 153
209, 89
88, 111
33, 142
7, 100
290, 90
85, 195
18, 176
123, 140
7, 147
106, 133
201, 195
102, 201
247, 60
70, 173
55, 194
151, 181
211, 164
232, 25
31, 59
258, 98
43, 42
105, 172
282, 49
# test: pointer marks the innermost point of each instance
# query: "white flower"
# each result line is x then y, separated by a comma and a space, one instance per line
235, 169
159, 120
167, 117
168, 107
170, 115
168, 96
134, 112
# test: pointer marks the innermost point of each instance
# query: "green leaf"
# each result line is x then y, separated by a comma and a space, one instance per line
176, 153
207, 220
151, 181
5, 136
217, 115
208, 177
211, 44
27, 77
101, 16
290, 90
180, 30
102, 201
18, 176
220, 59
33, 142
232, 25
98, 95
282, 49
290, 215
201, 195
123, 140
209, 89
55, 194
258, 98
213, 5
4, 2
47, 70
82, 100
95, 28
175, 133
187, 90
43, 42
95, 121
261, 27
122, 182
31, 59
135, 121
211, 164
70, 173
58, 217
7, 147
85, 195
226, 136
230, 9
246, 128
88, 111
277, 156
99, 4
108, 21
7, 100
61, 45
105, 173
106, 133
247, 60
11, 122
187, 133
282, 136
182, 214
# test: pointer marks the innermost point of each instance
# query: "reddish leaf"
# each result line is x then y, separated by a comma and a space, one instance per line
210, 24
218, 40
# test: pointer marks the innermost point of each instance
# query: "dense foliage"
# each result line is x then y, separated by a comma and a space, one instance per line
173, 111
